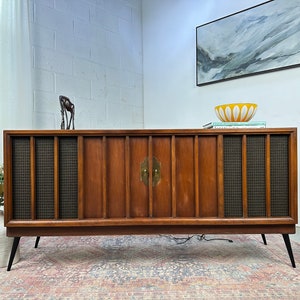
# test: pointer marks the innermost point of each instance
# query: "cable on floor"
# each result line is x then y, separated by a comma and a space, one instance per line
200, 237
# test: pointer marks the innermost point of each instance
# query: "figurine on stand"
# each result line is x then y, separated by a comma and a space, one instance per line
66, 106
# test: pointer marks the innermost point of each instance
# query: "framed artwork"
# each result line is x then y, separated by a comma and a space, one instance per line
260, 39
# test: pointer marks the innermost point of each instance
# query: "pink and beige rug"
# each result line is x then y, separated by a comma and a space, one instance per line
153, 267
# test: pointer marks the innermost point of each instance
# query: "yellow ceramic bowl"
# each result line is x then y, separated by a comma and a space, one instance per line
236, 112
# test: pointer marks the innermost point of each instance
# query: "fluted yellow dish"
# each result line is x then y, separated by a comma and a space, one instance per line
236, 112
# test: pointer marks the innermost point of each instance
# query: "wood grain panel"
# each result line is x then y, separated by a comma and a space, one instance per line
139, 205
185, 185
92, 174
162, 195
116, 182
208, 184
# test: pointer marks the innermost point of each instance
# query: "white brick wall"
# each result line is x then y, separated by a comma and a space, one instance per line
90, 51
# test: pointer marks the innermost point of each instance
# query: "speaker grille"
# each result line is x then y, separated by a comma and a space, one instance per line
279, 175
44, 168
68, 178
21, 192
256, 179
233, 205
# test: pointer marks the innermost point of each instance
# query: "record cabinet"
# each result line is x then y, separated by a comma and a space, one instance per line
177, 181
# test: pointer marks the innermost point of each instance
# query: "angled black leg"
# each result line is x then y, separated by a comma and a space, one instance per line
37, 241
264, 239
13, 252
289, 248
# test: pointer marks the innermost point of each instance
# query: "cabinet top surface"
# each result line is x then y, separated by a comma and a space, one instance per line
137, 132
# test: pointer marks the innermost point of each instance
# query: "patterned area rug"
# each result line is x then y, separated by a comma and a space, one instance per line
153, 267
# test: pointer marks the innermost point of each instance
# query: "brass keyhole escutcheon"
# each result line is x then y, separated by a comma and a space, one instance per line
155, 171
145, 173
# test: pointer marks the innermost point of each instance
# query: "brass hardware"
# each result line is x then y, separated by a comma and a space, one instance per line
155, 171
144, 171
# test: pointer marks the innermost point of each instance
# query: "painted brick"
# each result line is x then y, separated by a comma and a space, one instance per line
133, 3
113, 76
72, 45
112, 94
46, 102
123, 115
131, 96
45, 121
49, 3
72, 86
103, 18
51, 18
80, 10
42, 36
43, 80
82, 29
98, 53
51, 60
119, 9
98, 89
88, 70
90, 118
90, 51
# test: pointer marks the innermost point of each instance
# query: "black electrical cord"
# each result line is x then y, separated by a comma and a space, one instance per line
202, 237
183, 240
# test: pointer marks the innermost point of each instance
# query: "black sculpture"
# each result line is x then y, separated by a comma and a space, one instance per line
66, 106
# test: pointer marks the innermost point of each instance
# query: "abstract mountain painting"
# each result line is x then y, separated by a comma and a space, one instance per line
257, 40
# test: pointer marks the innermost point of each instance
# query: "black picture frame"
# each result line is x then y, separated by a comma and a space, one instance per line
263, 38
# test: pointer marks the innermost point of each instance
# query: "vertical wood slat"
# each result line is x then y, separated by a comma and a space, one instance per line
127, 176
32, 178
8, 159
150, 170
244, 176
220, 166
196, 174
293, 178
173, 175
56, 177
80, 158
268, 176
104, 179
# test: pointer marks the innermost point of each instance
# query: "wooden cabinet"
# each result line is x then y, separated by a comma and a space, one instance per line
75, 182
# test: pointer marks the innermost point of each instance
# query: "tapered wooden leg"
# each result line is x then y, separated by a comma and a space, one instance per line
289, 248
264, 239
37, 241
13, 252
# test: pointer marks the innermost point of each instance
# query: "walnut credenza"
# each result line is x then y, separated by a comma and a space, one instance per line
96, 182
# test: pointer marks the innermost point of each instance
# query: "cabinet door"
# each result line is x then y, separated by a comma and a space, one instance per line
112, 177
188, 185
